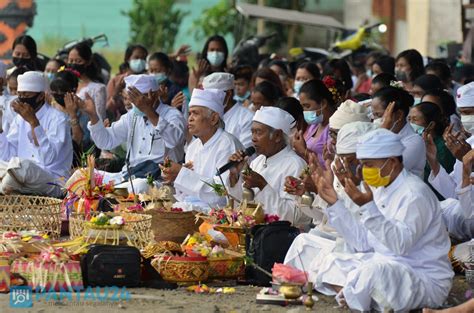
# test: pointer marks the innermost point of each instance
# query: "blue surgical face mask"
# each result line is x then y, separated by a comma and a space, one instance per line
312, 118
297, 86
417, 128
137, 65
215, 58
160, 77
137, 112
242, 98
50, 76
417, 101
369, 73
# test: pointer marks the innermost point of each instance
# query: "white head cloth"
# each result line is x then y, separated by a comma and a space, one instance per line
379, 144
275, 118
143, 82
219, 80
465, 96
32, 82
210, 98
348, 112
348, 136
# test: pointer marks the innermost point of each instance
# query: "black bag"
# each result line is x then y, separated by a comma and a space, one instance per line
267, 245
106, 265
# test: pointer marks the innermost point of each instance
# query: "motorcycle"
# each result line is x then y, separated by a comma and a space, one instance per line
246, 51
102, 63
352, 45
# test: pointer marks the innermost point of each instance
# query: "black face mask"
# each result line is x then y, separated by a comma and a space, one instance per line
21, 62
77, 67
32, 101
401, 76
59, 99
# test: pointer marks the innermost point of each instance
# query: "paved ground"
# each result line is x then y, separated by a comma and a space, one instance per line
177, 301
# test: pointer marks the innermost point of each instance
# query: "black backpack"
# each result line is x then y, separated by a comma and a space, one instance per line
267, 245
106, 265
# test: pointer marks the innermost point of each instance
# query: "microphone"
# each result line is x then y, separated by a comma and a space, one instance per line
248, 152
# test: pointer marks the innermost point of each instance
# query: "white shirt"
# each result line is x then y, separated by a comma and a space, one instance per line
98, 93
446, 184
275, 169
54, 153
145, 142
238, 121
206, 159
8, 113
414, 155
404, 223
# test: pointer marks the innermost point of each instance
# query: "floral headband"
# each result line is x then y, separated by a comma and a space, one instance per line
68, 69
331, 84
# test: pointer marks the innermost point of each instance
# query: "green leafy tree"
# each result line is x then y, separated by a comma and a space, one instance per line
155, 23
218, 19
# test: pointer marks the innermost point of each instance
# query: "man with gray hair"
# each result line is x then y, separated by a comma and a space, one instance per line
271, 127
211, 150
237, 119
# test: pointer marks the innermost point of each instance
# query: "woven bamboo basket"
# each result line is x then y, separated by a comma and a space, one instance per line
182, 269
18, 212
136, 231
173, 226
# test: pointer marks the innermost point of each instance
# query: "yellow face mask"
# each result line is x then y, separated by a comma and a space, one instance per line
373, 177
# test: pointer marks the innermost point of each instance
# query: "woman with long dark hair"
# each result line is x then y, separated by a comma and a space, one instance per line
80, 60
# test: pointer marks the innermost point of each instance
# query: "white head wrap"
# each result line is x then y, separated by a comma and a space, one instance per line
465, 96
219, 80
32, 82
209, 98
275, 118
349, 135
143, 82
348, 112
379, 144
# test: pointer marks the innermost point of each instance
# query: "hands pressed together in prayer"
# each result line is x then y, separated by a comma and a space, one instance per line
320, 180
251, 178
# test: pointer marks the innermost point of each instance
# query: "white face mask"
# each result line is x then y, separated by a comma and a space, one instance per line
468, 123
137, 65
215, 58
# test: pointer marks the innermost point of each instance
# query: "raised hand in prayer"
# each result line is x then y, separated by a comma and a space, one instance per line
456, 143
163, 93
323, 179
253, 179
26, 111
88, 107
359, 197
170, 170
71, 104
328, 152
467, 169
183, 50
299, 144
294, 186
144, 103
178, 100
342, 170
234, 171
388, 118
196, 73
431, 152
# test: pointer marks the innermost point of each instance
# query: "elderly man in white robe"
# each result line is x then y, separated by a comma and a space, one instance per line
237, 119
36, 153
311, 247
151, 130
210, 150
276, 160
405, 265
